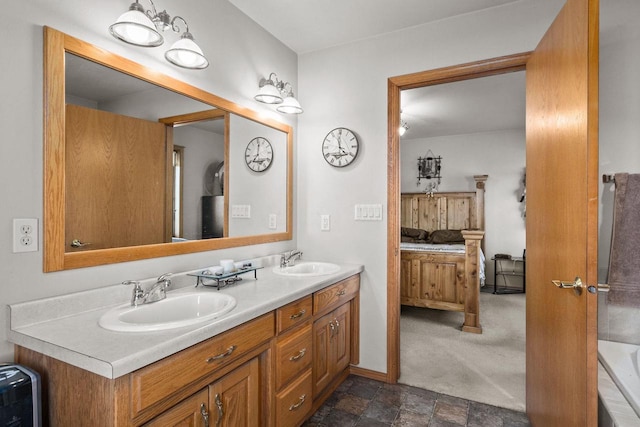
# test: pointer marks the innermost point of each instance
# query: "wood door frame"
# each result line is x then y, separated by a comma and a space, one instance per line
467, 71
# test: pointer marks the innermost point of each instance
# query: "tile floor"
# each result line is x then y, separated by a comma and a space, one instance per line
364, 402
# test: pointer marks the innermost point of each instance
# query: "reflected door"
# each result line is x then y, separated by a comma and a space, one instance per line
112, 199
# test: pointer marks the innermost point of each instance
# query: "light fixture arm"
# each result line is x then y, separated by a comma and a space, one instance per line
176, 29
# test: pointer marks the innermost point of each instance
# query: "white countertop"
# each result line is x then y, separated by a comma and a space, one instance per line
66, 327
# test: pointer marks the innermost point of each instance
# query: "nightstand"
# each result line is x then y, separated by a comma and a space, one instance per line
509, 267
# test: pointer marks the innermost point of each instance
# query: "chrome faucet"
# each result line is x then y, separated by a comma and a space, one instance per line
289, 258
157, 292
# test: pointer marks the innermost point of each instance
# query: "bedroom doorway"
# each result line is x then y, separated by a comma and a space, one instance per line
461, 73
476, 128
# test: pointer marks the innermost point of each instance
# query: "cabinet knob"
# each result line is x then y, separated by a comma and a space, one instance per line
205, 415
222, 355
299, 403
220, 409
298, 356
298, 314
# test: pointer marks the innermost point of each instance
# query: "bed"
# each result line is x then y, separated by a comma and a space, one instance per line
441, 251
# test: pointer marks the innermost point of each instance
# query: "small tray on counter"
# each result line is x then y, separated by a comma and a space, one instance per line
223, 279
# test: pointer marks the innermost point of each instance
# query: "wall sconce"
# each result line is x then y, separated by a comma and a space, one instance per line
142, 28
429, 168
275, 91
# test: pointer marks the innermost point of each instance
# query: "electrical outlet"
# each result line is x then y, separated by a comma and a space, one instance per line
273, 223
325, 222
25, 235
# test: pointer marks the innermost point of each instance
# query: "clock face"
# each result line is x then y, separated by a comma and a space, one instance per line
258, 154
340, 147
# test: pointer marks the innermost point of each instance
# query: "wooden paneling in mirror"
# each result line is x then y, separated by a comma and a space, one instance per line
56, 44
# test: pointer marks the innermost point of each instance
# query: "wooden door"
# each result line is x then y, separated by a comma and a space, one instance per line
321, 353
234, 400
191, 412
115, 179
562, 204
341, 344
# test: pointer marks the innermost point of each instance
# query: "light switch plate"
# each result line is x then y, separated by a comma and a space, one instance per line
241, 211
368, 212
325, 222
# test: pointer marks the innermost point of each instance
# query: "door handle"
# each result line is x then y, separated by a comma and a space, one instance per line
600, 287
576, 285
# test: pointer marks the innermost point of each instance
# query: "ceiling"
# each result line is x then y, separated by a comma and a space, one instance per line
480, 105
471, 106
309, 25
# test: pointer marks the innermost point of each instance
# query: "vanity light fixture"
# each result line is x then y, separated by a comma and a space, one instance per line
275, 91
143, 28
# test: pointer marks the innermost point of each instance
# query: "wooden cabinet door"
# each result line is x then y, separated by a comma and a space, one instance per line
321, 349
341, 340
191, 412
235, 398
331, 346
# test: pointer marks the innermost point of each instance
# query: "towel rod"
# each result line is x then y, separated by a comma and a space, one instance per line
606, 178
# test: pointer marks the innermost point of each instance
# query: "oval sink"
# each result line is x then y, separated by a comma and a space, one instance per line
175, 311
305, 269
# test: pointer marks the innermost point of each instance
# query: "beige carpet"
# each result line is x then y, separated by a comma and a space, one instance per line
487, 368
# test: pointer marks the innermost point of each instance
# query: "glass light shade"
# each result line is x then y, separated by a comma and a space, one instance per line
134, 27
268, 94
186, 53
290, 105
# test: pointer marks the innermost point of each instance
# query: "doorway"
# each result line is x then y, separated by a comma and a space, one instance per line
461, 72
475, 126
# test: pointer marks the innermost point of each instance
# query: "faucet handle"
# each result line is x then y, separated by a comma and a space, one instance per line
165, 278
137, 294
135, 283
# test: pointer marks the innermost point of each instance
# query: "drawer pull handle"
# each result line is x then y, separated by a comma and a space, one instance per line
220, 409
299, 404
221, 355
298, 314
342, 292
337, 323
205, 415
298, 356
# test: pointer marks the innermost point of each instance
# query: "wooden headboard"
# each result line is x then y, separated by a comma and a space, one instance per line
445, 211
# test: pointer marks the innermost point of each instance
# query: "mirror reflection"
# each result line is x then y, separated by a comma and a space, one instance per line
145, 165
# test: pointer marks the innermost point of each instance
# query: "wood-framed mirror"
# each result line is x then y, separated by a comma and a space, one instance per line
256, 207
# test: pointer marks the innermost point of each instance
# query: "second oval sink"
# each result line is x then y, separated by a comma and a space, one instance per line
303, 269
175, 311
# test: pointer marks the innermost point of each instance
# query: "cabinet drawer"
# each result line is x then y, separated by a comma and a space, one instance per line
334, 295
293, 354
295, 313
159, 380
294, 403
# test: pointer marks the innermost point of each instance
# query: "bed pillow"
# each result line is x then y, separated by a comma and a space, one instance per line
446, 236
414, 233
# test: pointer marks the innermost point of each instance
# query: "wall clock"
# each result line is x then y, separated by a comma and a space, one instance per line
340, 147
259, 154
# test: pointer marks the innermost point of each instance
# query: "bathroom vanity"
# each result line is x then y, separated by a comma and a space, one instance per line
271, 361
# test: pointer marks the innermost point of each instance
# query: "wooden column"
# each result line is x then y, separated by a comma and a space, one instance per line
472, 242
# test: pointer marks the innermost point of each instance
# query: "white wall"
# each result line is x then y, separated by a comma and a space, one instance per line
263, 191
347, 86
240, 53
619, 142
501, 155
201, 149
